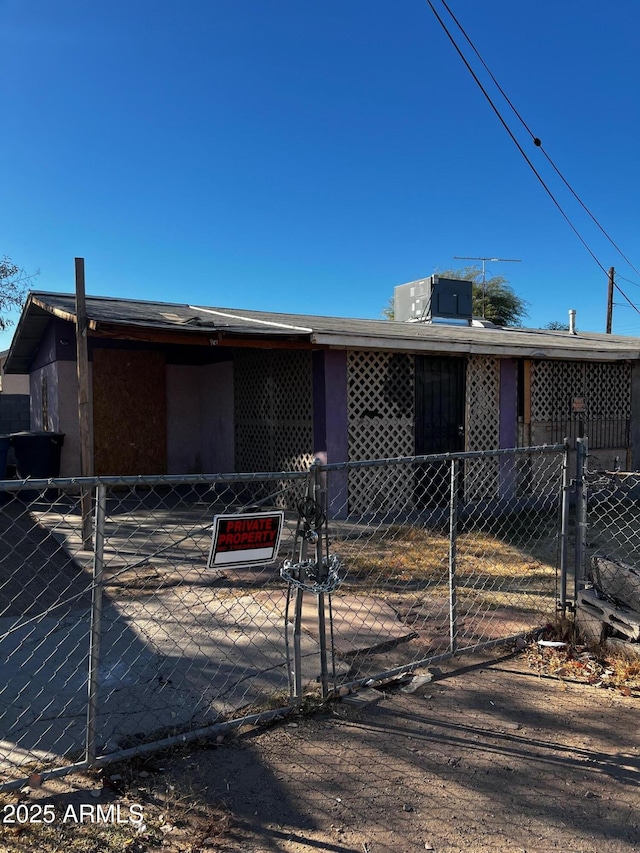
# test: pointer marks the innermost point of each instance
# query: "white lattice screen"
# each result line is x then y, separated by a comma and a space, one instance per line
553, 384
608, 390
604, 389
273, 410
482, 425
381, 413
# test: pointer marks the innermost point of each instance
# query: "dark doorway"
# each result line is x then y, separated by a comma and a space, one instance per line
440, 397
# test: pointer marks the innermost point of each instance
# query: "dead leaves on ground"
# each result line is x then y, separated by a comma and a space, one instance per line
582, 665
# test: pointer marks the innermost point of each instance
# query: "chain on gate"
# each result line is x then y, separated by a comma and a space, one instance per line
310, 571
317, 575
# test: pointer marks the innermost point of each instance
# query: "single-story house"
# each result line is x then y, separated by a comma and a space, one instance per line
14, 400
183, 389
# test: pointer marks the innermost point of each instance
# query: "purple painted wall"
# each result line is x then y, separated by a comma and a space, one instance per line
58, 343
508, 424
508, 402
330, 425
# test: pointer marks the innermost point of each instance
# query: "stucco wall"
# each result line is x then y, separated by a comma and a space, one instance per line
183, 419
59, 411
43, 384
200, 418
218, 443
68, 420
14, 383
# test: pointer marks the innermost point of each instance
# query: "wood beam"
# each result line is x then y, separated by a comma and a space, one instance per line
122, 332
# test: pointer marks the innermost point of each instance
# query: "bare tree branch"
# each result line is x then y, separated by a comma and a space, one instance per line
14, 286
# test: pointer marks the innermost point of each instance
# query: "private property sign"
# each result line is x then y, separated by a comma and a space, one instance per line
245, 540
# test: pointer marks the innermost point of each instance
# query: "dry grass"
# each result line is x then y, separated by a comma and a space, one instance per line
401, 555
396, 554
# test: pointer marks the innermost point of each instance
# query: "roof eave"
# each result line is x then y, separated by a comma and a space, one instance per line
33, 320
415, 344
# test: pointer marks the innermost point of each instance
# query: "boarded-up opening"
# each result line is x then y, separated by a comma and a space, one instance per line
129, 412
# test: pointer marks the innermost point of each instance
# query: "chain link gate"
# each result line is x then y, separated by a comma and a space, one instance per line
449, 554
384, 566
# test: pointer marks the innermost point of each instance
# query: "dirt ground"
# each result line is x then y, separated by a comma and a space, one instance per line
490, 756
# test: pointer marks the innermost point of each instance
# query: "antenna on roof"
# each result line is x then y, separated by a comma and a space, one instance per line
493, 260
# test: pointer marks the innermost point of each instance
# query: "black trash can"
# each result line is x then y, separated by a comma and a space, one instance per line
5, 444
37, 457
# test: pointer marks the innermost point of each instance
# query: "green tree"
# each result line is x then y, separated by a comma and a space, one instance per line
556, 326
389, 311
495, 299
13, 289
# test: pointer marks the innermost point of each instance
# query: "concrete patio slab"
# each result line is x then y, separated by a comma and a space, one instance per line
360, 622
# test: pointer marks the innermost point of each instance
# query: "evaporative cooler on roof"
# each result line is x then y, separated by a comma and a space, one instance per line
433, 298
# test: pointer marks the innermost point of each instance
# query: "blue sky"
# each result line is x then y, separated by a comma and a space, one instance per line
307, 157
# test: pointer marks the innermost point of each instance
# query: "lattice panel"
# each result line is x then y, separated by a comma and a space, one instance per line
273, 410
482, 425
290, 440
553, 385
483, 403
381, 491
251, 385
380, 385
381, 412
292, 389
372, 489
605, 389
380, 439
608, 390
255, 451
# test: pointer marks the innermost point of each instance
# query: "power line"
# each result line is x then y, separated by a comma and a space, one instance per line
514, 139
620, 290
635, 283
628, 301
536, 141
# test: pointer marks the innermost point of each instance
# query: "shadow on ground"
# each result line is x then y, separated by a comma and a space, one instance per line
490, 757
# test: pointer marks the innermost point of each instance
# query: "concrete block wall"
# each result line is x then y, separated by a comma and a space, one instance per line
14, 413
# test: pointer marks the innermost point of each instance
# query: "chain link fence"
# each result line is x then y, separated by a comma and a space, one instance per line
119, 634
613, 515
105, 651
607, 545
447, 555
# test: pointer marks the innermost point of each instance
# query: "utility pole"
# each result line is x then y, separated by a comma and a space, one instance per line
84, 403
493, 260
610, 300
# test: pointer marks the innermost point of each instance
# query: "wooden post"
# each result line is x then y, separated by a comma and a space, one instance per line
526, 393
84, 404
610, 300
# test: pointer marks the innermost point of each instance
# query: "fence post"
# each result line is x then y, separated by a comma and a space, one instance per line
319, 495
564, 528
453, 536
96, 619
297, 617
582, 448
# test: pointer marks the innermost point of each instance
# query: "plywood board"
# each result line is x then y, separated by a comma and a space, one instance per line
129, 412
